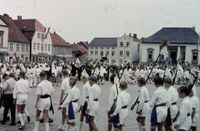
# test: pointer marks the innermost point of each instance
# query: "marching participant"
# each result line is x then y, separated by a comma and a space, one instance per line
71, 102
64, 91
20, 94
112, 99
184, 121
43, 101
84, 100
173, 99
158, 103
8, 88
195, 111
93, 103
143, 104
121, 112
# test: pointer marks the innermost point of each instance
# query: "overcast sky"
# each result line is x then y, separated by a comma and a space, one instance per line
82, 20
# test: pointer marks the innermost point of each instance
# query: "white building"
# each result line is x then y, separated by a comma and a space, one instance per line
18, 45
116, 50
61, 48
3, 38
40, 38
182, 44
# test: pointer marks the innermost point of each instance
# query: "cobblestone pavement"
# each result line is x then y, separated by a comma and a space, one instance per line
101, 119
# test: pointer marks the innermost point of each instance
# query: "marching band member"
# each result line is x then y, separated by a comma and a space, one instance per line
84, 101
158, 103
71, 103
20, 94
93, 103
184, 121
65, 87
112, 99
143, 104
121, 112
173, 99
43, 101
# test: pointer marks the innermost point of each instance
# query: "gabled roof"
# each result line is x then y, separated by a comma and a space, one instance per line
79, 48
15, 35
176, 35
103, 42
57, 40
29, 26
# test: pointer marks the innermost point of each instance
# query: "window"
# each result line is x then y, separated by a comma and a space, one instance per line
96, 52
121, 53
107, 53
96, 47
1, 38
27, 48
49, 47
127, 44
107, 48
113, 48
42, 35
113, 53
91, 52
45, 47
11, 46
127, 53
42, 47
194, 55
121, 44
17, 47
101, 53
150, 54
120, 61
38, 35
38, 46
138, 48
101, 47
34, 46
91, 47
22, 47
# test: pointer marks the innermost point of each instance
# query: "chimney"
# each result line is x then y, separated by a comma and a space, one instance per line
130, 34
19, 17
5, 15
135, 36
193, 28
54, 32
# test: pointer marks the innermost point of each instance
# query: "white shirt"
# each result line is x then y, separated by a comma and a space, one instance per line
9, 85
123, 99
21, 87
74, 94
45, 88
85, 93
94, 93
160, 96
113, 93
143, 96
184, 120
65, 85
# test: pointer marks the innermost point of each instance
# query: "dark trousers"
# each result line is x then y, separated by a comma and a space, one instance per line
9, 105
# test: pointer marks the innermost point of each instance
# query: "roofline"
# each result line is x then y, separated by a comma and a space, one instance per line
169, 43
19, 41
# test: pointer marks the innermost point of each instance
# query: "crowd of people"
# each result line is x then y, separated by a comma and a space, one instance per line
162, 107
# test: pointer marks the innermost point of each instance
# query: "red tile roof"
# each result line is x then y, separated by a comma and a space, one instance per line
29, 26
15, 35
79, 48
57, 40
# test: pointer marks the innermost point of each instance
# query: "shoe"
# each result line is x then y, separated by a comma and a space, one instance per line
50, 120
21, 128
62, 128
8, 118
28, 119
12, 124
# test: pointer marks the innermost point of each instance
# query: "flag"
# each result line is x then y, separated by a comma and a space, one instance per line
164, 50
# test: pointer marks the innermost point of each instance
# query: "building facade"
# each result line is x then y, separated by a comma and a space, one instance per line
117, 50
39, 36
182, 45
3, 39
60, 47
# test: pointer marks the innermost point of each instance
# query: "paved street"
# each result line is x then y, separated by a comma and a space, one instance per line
101, 120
